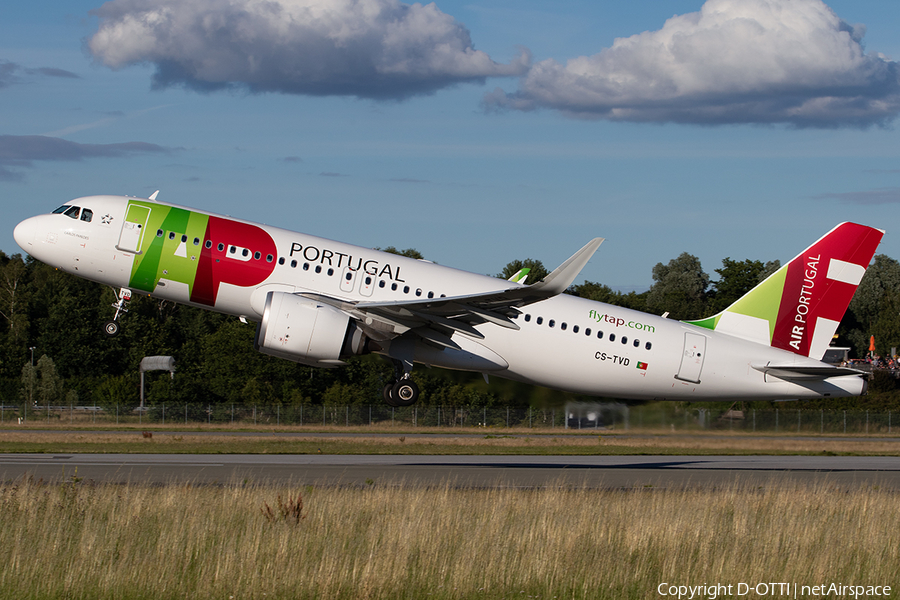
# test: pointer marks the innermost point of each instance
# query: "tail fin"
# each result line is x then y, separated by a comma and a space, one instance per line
799, 307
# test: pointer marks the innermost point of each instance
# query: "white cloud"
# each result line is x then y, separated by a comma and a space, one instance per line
365, 48
735, 61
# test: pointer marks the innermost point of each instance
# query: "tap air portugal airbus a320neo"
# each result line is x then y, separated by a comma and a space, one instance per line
319, 302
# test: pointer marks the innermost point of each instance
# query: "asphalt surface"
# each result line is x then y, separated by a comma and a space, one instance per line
596, 472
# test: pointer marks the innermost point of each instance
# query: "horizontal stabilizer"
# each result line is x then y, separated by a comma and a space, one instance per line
806, 371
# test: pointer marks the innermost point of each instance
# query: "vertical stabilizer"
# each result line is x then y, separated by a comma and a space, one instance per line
799, 307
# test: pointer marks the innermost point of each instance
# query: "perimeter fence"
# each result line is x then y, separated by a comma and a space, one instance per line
586, 417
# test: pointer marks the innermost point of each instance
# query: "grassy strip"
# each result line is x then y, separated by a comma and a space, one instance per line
78, 541
185, 443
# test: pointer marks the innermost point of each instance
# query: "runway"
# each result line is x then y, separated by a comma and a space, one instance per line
596, 472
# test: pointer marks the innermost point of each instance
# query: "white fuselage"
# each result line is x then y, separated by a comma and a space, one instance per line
564, 342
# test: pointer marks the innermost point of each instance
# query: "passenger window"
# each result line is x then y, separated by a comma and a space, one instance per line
330, 272
245, 253
648, 345
257, 255
208, 244
637, 343
368, 280
574, 328
393, 287
305, 265
539, 320
171, 235
294, 264
551, 323
220, 247
196, 241
381, 283
159, 233
281, 261
612, 337
587, 331
431, 294
563, 326
318, 268
624, 339
405, 289
86, 215
183, 239
72, 213
419, 292
269, 258
349, 276
599, 335
527, 317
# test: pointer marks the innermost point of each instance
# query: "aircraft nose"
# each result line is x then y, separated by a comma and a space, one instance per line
24, 234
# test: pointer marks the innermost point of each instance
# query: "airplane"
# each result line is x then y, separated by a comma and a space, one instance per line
319, 302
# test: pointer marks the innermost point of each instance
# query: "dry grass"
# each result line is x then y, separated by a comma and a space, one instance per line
77, 541
576, 444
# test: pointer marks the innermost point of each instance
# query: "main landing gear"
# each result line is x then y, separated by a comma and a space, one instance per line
402, 391
111, 328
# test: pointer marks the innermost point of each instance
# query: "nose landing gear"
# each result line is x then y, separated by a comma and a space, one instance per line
111, 328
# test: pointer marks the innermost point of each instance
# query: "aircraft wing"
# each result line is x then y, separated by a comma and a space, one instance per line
436, 319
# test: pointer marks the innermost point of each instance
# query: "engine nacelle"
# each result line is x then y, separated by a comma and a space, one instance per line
307, 332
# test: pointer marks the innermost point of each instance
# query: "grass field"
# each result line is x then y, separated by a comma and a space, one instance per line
79, 541
477, 442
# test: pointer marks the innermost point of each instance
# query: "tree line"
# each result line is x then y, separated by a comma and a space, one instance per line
53, 350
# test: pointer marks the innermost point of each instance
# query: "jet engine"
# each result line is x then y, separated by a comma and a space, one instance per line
307, 332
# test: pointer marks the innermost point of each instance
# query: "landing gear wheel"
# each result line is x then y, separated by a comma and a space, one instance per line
405, 392
388, 398
111, 329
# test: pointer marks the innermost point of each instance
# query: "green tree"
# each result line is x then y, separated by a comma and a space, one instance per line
409, 252
14, 290
49, 386
736, 278
874, 309
603, 293
679, 288
29, 384
117, 390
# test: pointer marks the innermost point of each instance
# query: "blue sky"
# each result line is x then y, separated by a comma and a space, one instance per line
483, 133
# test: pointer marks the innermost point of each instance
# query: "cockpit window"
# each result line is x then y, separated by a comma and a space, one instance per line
72, 213
61, 209
87, 214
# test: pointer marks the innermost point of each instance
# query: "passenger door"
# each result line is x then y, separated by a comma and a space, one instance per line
132, 234
692, 357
